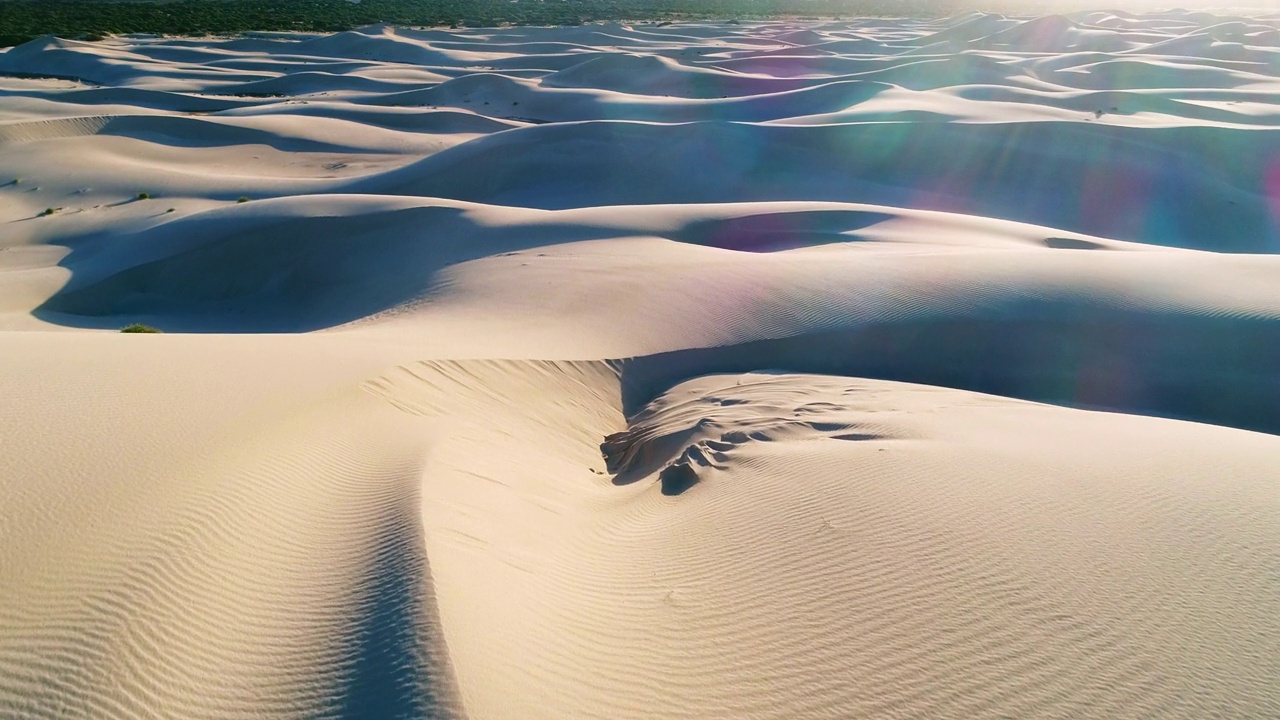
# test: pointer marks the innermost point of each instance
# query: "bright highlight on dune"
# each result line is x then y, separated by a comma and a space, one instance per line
868, 369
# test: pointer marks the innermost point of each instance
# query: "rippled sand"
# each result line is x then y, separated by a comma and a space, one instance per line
866, 369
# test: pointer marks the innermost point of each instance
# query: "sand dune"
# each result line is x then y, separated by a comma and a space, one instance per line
882, 368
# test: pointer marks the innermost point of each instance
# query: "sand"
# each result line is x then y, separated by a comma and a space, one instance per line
866, 369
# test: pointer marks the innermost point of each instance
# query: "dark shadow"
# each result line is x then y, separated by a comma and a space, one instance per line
184, 131
249, 272
774, 232
676, 479
1162, 186
252, 273
1220, 370
637, 453
857, 437
397, 673
1059, 243
46, 76
681, 457
137, 97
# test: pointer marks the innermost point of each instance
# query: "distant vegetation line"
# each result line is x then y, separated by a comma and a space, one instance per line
23, 20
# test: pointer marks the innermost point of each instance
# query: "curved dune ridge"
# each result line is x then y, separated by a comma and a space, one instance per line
863, 369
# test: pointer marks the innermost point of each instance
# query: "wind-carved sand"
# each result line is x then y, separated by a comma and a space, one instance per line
868, 369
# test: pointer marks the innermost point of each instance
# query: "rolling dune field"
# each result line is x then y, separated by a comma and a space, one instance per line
864, 369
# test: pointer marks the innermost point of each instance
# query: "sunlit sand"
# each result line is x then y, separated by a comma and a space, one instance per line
889, 368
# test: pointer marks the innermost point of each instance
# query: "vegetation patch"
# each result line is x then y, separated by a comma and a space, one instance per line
24, 20
139, 328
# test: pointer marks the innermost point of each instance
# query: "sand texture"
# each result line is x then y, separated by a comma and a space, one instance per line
859, 370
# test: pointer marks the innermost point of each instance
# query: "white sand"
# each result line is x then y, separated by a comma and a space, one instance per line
857, 370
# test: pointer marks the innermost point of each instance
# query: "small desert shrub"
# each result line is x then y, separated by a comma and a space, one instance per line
169, 210
144, 196
139, 328
49, 211
242, 199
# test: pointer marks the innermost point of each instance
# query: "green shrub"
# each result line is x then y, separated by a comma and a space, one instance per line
49, 211
144, 196
139, 328
242, 199
24, 20
11, 39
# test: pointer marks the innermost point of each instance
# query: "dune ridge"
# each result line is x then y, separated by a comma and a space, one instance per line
858, 369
